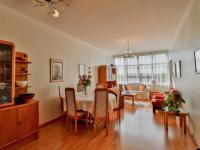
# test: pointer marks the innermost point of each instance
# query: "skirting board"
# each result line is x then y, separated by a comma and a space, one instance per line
51, 121
196, 140
194, 137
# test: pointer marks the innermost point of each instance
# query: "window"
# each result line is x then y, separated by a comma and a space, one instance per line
143, 69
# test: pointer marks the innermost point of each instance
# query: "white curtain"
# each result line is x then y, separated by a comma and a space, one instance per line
121, 70
143, 69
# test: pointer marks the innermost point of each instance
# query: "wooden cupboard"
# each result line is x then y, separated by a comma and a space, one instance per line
107, 74
102, 74
8, 126
18, 122
28, 119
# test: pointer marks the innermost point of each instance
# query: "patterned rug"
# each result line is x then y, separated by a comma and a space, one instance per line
138, 103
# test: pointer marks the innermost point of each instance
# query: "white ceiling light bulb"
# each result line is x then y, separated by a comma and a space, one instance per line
55, 13
52, 5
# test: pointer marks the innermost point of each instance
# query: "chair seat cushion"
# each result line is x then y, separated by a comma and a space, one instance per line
113, 90
79, 113
158, 96
157, 102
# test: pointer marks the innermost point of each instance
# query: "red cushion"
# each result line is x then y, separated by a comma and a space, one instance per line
160, 96
157, 102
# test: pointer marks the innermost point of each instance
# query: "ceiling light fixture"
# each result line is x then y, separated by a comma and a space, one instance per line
51, 4
128, 53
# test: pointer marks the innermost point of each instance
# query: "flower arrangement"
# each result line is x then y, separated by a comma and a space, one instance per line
173, 101
86, 79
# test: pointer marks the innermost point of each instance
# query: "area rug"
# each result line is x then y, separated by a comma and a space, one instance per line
137, 103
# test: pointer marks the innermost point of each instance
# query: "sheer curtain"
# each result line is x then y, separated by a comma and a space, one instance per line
132, 71
121, 70
161, 69
143, 69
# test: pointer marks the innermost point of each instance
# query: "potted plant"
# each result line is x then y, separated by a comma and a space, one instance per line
173, 101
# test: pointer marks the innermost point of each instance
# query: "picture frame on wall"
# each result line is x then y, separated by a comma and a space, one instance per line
174, 69
197, 60
178, 69
81, 69
56, 70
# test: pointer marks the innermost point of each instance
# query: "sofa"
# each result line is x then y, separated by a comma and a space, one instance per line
143, 93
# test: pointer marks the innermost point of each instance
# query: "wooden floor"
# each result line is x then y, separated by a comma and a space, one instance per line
139, 130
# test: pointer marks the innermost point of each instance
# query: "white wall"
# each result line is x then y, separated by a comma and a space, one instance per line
42, 43
186, 42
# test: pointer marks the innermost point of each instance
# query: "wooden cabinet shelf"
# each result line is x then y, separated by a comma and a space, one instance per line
26, 74
5, 62
22, 87
21, 72
21, 61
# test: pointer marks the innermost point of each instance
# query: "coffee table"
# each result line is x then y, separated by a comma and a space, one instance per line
131, 94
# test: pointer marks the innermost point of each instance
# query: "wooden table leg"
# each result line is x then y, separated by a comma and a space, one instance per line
184, 121
133, 99
164, 118
166, 121
181, 120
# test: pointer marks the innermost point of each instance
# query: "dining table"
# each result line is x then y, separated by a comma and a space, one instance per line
85, 102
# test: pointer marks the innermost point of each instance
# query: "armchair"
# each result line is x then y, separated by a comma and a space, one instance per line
157, 99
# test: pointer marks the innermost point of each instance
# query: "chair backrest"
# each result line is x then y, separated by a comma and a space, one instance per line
60, 95
119, 96
101, 103
71, 101
80, 87
101, 85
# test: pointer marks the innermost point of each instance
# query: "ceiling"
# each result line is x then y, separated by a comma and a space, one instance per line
108, 24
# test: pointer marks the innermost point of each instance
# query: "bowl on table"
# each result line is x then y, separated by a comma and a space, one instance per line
27, 96
23, 98
21, 83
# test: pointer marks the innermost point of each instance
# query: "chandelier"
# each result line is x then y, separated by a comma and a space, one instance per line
128, 53
51, 4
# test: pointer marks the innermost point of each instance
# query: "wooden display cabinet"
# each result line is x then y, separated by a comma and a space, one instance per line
7, 71
16, 121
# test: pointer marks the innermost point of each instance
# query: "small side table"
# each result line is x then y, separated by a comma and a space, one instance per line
131, 94
182, 116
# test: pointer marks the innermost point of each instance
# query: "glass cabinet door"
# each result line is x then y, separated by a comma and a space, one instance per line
6, 73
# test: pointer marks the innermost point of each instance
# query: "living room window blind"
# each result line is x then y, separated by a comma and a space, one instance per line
143, 69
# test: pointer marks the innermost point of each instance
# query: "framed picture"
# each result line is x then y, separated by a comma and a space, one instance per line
174, 69
197, 60
81, 69
178, 69
56, 70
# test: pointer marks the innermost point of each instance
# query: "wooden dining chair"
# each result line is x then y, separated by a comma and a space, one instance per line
101, 108
119, 102
101, 85
80, 87
61, 99
72, 112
